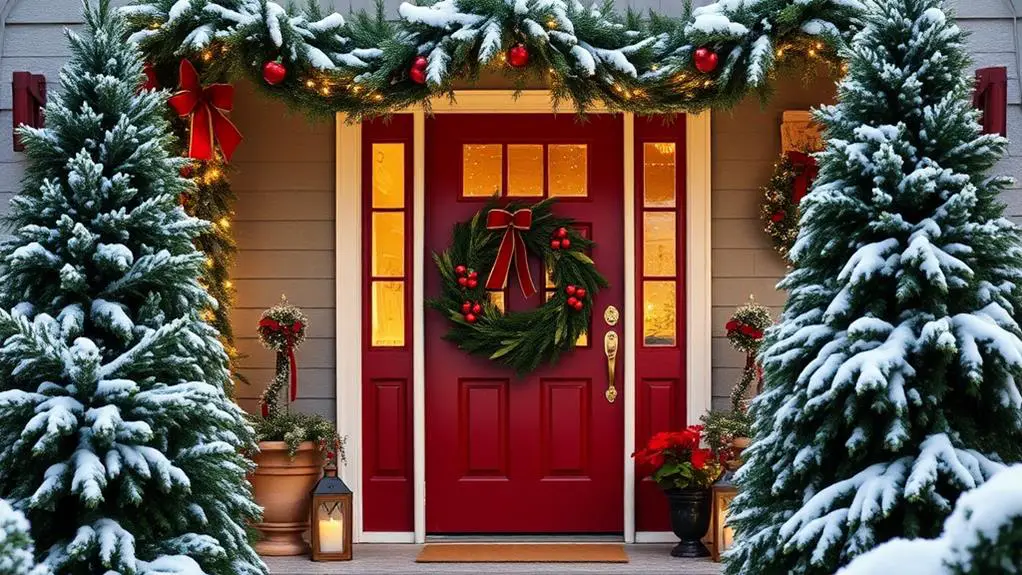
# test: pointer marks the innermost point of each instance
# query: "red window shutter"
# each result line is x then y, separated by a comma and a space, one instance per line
991, 97
29, 99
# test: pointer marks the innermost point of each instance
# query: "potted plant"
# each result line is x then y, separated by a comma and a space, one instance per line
292, 446
684, 471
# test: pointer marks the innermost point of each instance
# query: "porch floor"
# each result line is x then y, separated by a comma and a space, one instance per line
386, 558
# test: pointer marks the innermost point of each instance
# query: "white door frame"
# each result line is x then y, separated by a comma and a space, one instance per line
348, 250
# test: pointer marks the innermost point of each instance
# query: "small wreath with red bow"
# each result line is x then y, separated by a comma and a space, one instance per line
793, 174
746, 327
483, 253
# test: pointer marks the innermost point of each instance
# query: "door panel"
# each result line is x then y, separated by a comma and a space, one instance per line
541, 453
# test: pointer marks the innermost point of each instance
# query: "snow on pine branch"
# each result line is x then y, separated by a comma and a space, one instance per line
983, 532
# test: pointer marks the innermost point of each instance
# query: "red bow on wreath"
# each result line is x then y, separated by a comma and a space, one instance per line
743, 328
206, 108
289, 331
806, 170
512, 249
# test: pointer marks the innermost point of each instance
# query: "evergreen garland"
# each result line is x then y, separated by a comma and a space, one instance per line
586, 55
522, 340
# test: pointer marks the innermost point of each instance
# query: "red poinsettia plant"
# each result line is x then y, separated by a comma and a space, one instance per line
676, 460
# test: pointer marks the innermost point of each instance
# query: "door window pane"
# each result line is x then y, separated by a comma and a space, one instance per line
388, 175
388, 314
659, 246
659, 317
388, 244
568, 170
524, 170
658, 169
481, 166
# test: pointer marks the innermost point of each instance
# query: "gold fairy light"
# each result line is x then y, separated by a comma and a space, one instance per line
325, 90
209, 262
228, 284
310, 83
377, 97
207, 56
224, 223
551, 24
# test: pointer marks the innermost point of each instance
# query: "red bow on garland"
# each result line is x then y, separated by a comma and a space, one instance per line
806, 170
206, 108
512, 249
290, 331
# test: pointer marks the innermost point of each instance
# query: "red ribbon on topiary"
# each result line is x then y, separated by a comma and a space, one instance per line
806, 171
206, 109
512, 249
289, 331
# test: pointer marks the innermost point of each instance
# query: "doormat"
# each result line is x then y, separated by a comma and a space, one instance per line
523, 553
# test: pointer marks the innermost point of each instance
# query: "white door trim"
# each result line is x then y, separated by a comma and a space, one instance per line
348, 242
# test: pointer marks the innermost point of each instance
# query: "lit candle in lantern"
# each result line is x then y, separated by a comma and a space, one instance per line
331, 535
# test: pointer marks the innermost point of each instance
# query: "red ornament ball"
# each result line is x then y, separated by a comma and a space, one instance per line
470, 318
570, 290
556, 244
580, 293
472, 283
572, 302
466, 307
778, 217
462, 282
518, 56
565, 243
419, 63
562, 233
418, 76
477, 309
460, 270
705, 60
274, 72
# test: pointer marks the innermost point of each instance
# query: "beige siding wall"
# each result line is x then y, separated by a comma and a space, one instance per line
284, 182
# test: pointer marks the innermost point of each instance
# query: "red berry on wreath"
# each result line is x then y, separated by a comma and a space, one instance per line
518, 55
556, 244
578, 306
562, 232
705, 60
187, 171
274, 72
462, 282
477, 309
778, 217
580, 293
570, 290
473, 275
470, 318
572, 302
460, 270
565, 243
466, 307
472, 283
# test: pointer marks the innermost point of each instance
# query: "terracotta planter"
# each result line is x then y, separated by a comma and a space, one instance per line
690, 520
741, 442
283, 488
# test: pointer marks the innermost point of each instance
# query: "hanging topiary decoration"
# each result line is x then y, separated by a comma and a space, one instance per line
746, 327
482, 256
282, 329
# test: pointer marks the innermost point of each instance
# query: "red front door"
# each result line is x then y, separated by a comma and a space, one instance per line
541, 453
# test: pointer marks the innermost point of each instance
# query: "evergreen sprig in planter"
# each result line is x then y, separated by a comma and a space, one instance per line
685, 471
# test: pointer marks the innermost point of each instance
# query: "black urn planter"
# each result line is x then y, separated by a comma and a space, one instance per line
690, 520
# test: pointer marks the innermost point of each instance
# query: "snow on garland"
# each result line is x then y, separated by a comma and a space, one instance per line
481, 256
709, 58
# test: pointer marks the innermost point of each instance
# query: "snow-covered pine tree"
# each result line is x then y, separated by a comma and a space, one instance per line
16, 556
892, 383
982, 537
116, 438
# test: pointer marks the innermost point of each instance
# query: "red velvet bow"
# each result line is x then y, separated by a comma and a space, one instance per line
206, 109
512, 249
806, 171
289, 331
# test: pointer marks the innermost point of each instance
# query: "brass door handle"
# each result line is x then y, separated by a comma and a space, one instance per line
610, 349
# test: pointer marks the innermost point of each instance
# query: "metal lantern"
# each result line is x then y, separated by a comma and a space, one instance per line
723, 535
331, 518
